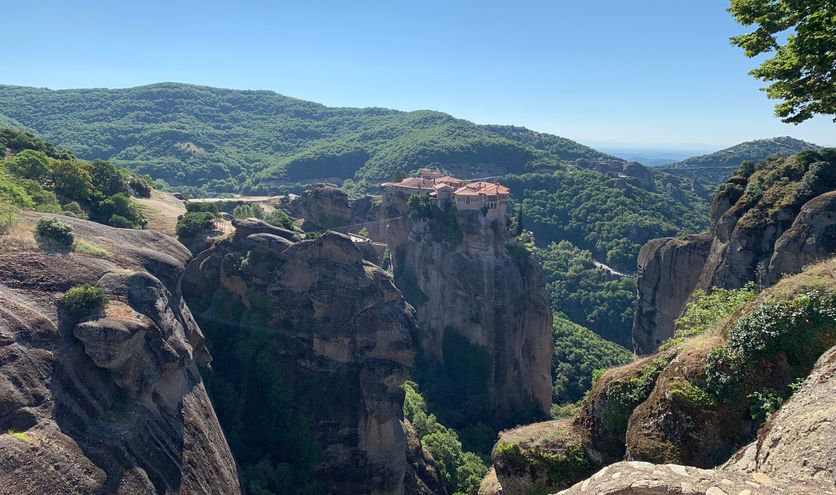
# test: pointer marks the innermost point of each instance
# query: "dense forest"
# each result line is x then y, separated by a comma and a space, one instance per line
228, 140
588, 294
609, 217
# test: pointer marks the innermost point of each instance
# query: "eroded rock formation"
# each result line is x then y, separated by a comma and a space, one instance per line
111, 403
770, 222
482, 308
697, 402
667, 275
795, 453
335, 333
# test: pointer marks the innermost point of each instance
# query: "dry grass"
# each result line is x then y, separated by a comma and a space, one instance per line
119, 310
18, 237
84, 247
161, 210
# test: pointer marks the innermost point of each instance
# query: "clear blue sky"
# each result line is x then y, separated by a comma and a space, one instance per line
605, 72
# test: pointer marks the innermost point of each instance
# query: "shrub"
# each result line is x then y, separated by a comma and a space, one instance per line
706, 309
83, 300
120, 211
764, 402
568, 466
90, 249
693, 394
30, 164
279, 218
75, 208
800, 328
52, 233
194, 223
120, 222
140, 186
23, 437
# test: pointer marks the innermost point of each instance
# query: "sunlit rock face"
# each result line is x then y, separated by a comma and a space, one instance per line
482, 309
336, 332
112, 402
771, 222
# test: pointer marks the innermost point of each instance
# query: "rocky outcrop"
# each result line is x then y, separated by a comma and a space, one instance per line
767, 224
540, 457
811, 237
631, 172
113, 402
666, 277
697, 402
482, 308
795, 453
336, 335
799, 441
644, 478
322, 206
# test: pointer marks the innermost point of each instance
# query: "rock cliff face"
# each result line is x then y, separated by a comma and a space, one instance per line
696, 403
771, 221
799, 441
482, 307
667, 276
323, 206
336, 336
112, 403
795, 453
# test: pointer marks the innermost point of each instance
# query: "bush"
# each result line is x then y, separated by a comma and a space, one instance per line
120, 211
52, 233
83, 300
75, 208
706, 309
279, 218
800, 328
120, 222
140, 186
194, 223
30, 164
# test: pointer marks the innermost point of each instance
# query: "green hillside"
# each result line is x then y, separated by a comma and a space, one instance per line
715, 168
255, 141
205, 140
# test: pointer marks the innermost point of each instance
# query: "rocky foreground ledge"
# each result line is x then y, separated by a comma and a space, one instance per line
644, 478
111, 402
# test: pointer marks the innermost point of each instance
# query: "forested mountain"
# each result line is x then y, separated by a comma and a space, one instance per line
229, 140
716, 167
204, 140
